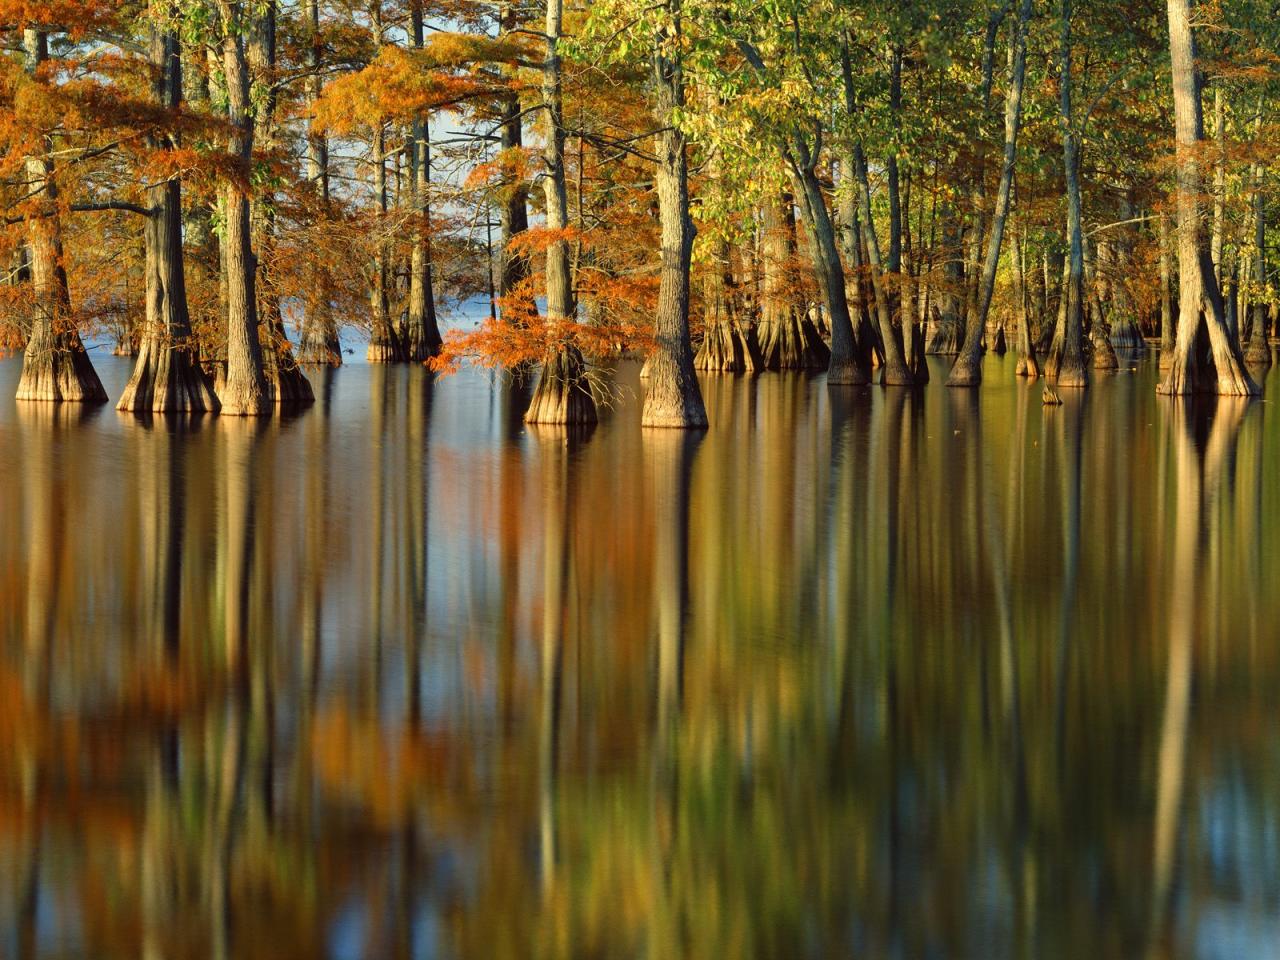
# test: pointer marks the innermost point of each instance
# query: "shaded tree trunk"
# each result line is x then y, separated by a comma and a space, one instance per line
967, 371
421, 338
1258, 353
788, 339
167, 375
1066, 360
895, 372
320, 342
286, 383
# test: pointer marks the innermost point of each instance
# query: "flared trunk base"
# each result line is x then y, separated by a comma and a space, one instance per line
947, 338
728, 347
168, 379
320, 348
791, 342
59, 371
563, 395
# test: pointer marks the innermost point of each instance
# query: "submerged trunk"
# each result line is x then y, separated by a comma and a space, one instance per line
788, 339
967, 371
319, 330
563, 395
55, 365
244, 390
1206, 357
672, 397
421, 338
1066, 360
168, 375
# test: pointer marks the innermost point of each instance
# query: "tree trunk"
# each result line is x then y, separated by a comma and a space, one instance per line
563, 395
1168, 331
672, 397
421, 338
1028, 365
1259, 352
1221, 368
967, 371
168, 375
319, 329
55, 365
948, 334
1066, 360
728, 345
895, 371
244, 390
788, 339
287, 385
848, 363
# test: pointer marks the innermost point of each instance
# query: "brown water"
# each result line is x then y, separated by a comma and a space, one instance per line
856, 673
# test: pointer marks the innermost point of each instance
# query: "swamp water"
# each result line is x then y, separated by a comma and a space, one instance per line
855, 673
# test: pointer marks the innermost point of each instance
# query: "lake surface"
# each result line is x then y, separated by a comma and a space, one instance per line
855, 673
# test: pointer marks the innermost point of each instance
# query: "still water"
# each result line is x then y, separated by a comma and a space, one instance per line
855, 673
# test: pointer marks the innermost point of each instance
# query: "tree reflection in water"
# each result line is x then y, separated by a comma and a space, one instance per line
857, 672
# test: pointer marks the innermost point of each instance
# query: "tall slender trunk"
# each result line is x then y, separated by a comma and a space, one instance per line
320, 342
421, 334
513, 212
244, 391
895, 371
849, 363
1200, 312
55, 365
286, 383
1168, 331
167, 375
1259, 351
967, 371
673, 398
563, 395
1066, 360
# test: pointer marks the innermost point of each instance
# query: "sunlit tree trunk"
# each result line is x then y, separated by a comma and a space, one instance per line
563, 394
673, 397
1206, 356
244, 391
168, 375
55, 365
